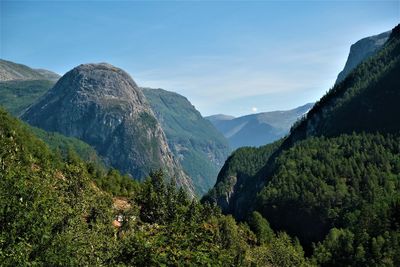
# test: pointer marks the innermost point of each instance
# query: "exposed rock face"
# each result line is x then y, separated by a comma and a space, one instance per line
362, 50
103, 106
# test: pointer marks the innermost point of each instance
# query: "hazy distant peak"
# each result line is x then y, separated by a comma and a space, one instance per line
10, 71
221, 117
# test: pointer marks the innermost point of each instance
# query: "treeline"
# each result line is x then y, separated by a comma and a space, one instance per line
57, 210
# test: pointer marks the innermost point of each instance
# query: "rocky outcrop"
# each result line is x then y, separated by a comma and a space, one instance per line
101, 105
362, 50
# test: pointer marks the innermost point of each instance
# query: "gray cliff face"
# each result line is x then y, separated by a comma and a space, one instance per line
362, 50
103, 106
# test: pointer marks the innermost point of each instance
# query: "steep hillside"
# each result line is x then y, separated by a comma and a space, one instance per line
366, 100
18, 95
13, 71
219, 117
61, 212
49, 75
101, 105
235, 182
257, 129
335, 178
362, 50
200, 148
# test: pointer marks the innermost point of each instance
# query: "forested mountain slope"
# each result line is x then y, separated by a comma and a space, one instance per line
101, 105
362, 50
335, 179
18, 95
200, 148
57, 211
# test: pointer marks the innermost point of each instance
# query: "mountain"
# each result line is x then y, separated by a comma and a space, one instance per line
13, 71
18, 95
64, 212
101, 105
362, 50
219, 117
364, 102
334, 180
49, 75
21, 85
257, 129
235, 182
200, 148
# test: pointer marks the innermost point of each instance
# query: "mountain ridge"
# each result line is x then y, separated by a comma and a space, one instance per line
362, 50
15, 71
260, 128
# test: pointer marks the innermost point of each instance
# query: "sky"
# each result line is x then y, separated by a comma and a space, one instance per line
226, 57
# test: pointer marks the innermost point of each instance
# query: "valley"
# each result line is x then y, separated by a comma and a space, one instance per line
100, 169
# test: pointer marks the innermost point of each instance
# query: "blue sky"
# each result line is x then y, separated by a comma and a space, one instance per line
231, 57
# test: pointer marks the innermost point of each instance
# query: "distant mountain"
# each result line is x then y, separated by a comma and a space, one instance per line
219, 117
49, 75
21, 85
200, 148
361, 50
257, 129
13, 71
101, 105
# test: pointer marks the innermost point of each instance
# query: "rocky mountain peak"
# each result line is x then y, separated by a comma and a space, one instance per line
102, 105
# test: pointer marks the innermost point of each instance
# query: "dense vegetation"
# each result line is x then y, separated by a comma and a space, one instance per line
348, 186
367, 100
334, 181
17, 95
237, 175
200, 148
60, 211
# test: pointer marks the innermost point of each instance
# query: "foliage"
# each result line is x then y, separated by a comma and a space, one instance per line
60, 211
350, 182
334, 181
239, 171
260, 226
200, 148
